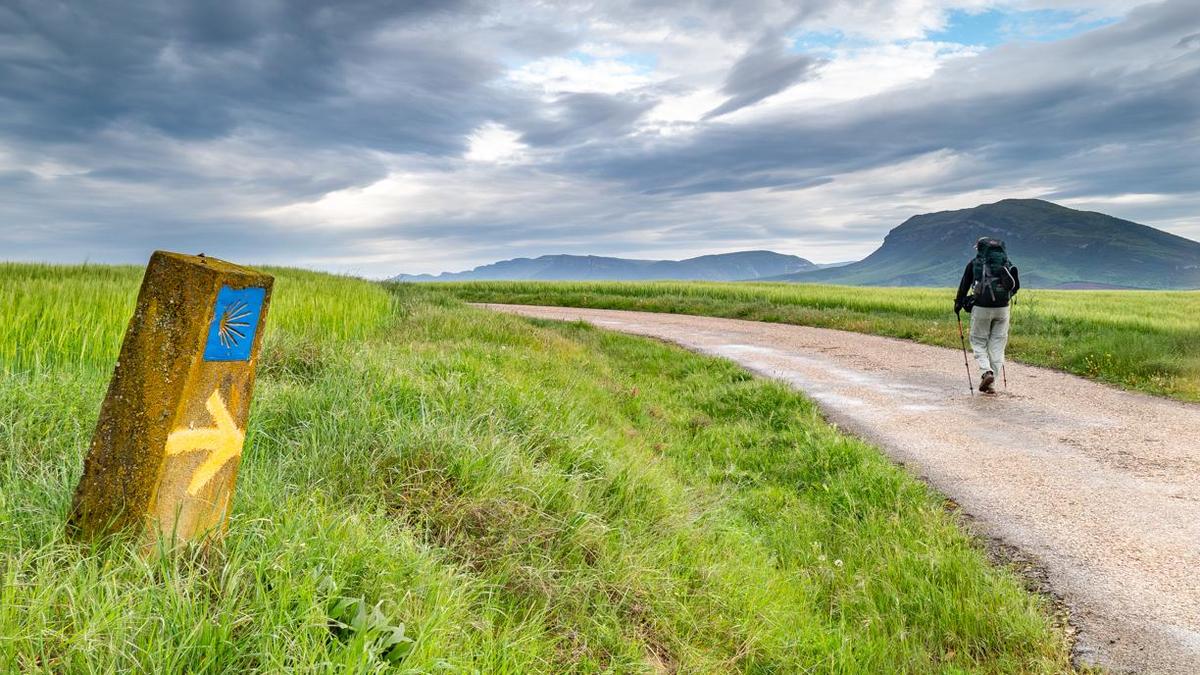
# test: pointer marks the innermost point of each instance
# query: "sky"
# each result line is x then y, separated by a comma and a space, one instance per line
378, 137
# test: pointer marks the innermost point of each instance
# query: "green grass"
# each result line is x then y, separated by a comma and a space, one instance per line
520, 496
1141, 340
63, 316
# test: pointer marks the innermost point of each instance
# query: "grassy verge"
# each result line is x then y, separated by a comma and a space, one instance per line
1142, 340
520, 497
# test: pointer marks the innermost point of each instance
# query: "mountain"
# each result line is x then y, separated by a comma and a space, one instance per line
1052, 245
744, 265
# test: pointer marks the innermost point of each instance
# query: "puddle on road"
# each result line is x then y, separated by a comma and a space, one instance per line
837, 372
921, 407
924, 397
837, 399
749, 349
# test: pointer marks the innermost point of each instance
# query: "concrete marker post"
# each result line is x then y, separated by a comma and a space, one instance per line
165, 453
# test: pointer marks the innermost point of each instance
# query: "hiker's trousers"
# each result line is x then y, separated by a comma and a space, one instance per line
989, 337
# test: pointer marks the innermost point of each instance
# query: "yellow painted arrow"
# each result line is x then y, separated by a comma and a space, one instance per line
223, 441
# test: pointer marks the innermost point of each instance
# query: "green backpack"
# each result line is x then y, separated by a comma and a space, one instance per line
992, 270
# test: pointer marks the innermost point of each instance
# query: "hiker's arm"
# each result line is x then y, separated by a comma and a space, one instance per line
1016, 281
963, 286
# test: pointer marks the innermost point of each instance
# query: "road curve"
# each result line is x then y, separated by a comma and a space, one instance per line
1100, 487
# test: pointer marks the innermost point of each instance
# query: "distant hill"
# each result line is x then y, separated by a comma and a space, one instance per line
744, 265
1052, 245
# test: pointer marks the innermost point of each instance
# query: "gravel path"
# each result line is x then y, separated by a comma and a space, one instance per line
1099, 487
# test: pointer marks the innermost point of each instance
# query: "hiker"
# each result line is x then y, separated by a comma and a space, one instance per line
992, 281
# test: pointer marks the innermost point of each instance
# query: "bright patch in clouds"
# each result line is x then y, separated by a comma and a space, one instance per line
494, 143
865, 71
579, 73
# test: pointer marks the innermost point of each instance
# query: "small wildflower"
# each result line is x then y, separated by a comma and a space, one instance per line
837, 563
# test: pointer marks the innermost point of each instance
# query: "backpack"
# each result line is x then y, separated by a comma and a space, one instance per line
992, 272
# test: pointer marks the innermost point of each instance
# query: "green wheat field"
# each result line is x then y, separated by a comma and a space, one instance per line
429, 487
1141, 340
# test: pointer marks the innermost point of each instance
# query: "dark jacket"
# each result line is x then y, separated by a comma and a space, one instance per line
968, 278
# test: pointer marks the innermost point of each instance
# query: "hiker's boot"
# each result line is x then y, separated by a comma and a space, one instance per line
985, 382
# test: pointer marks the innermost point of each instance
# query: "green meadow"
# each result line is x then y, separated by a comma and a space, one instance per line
429, 487
1142, 340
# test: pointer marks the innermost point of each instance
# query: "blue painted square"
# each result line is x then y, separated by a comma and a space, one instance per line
234, 323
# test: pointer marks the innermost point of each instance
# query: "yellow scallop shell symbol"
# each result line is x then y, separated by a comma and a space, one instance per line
233, 325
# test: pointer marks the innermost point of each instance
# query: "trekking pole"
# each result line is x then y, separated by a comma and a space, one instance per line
963, 341
1004, 368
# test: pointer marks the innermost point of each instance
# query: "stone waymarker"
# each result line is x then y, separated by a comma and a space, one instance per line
166, 450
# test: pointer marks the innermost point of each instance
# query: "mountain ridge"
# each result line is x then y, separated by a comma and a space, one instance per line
1054, 247
735, 266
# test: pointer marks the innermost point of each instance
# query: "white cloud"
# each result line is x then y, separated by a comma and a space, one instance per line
859, 73
1115, 200
558, 74
497, 144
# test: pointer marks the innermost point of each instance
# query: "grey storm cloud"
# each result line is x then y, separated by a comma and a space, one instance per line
765, 70
311, 92
742, 18
126, 126
576, 117
1021, 107
202, 69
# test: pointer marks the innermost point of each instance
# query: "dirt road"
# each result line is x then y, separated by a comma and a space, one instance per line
1101, 488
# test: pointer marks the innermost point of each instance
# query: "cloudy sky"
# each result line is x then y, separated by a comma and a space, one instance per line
377, 137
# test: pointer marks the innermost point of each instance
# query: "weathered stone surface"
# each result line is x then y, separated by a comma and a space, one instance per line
166, 450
